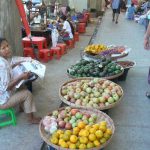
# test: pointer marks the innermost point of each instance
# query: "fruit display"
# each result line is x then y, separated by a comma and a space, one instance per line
126, 64
91, 92
106, 69
67, 118
95, 134
113, 50
95, 48
103, 50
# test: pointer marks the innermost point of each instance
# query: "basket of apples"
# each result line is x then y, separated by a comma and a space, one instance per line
77, 128
91, 93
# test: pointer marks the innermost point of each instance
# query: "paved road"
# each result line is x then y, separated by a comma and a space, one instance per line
132, 116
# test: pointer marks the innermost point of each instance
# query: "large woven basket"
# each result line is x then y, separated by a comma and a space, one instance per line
108, 78
101, 116
74, 105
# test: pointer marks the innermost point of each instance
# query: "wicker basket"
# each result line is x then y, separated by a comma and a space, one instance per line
74, 105
108, 78
101, 117
96, 57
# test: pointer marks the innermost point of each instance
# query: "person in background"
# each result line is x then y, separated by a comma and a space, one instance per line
123, 5
66, 29
42, 9
115, 4
30, 15
8, 96
131, 12
147, 47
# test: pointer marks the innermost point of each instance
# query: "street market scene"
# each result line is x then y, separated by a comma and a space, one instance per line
74, 74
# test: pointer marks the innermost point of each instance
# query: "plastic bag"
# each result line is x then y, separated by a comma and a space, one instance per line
54, 36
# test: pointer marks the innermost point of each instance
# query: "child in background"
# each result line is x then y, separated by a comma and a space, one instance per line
130, 12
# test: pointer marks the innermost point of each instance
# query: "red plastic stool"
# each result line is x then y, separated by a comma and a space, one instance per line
63, 47
70, 43
81, 27
45, 55
57, 51
28, 52
39, 41
76, 36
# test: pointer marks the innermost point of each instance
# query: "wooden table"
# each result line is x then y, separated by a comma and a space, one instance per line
43, 33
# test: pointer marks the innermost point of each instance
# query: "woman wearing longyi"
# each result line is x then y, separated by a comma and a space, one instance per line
9, 97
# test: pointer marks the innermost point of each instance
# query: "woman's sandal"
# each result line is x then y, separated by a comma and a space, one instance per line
148, 94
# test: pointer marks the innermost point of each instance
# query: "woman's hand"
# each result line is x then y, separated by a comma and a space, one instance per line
25, 75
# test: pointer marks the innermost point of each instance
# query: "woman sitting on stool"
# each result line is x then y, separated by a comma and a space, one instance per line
66, 32
8, 97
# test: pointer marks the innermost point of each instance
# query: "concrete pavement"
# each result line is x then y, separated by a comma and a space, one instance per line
131, 116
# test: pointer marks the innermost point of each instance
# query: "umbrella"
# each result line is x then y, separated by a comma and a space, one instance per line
23, 17
25, 23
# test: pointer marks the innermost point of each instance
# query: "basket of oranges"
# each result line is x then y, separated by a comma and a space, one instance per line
77, 128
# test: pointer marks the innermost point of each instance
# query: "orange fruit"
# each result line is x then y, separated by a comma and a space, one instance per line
92, 137
66, 137
54, 140
60, 132
68, 132
64, 145
103, 123
109, 131
85, 132
106, 136
55, 135
90, 145
96, 143
72, 146
87, 127
92, 130
81, 125
96, 126
103, 140
83, 140
60, 141
76, 130
82, 146
73, 138
99, 134
102, 128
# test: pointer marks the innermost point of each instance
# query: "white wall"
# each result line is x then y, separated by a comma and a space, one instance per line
79, 5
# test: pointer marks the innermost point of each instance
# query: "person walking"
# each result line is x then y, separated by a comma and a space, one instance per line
147, 47
115, 4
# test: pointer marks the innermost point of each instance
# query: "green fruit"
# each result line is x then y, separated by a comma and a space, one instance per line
74, 124
72, 121
110, 100
96, 94
77, 95
89, 90
78, 115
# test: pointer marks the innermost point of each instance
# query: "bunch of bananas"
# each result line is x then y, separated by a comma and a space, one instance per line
96, 48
